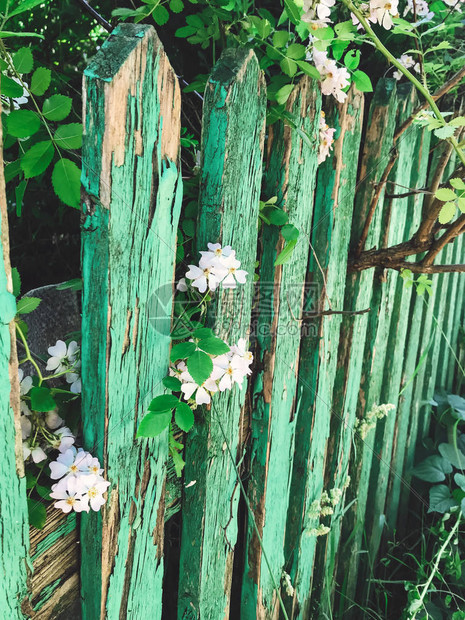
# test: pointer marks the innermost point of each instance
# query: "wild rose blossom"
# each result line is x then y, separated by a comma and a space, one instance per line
218, 265
326, 139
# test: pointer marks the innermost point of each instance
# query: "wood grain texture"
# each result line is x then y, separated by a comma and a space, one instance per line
14, 526
131, 209
290, 174
330, 236
232, 150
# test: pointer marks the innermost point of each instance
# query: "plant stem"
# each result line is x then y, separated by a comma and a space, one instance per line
418, 85
436, 564
29, 357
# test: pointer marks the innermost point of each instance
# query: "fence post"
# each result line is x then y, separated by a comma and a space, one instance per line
319, 446
232, 148
14, 525
290, 175
131, 210
358, 332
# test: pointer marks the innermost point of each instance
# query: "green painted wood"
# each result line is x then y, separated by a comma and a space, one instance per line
232, 149
391, 431
131, 209
14, 528
290, 175
358, 332
378, 348
332, 218
456, 319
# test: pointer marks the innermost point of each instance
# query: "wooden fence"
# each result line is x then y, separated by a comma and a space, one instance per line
201, 549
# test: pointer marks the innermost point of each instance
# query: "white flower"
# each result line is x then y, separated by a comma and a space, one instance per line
93, 487
203, 276
69, 463
36, 453
25, 382
216, 251
383, 11
65, 437
233, 370
315, 12
335, 79
53, 420
421, 9
230, 267
365, 9
74, 378
408, 62
202, 392
26, 425
181, 285
326, 139
71, 496
62, 356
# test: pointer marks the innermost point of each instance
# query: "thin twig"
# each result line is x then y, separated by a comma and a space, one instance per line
101, 20
450, 234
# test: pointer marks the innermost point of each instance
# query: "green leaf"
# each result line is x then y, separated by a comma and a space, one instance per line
23, 60
153, 424
214, 346
172, 383
26, 5
460, 481
286, 253
184, 417
461, 204
440, 499
324, 34
5, 34
163, 403
433, 469
27, 305
282, 95
278, 217
57, 107
22, 123
280, 38
40, 80
309, 69
37, 159
66, 181
445, 194
44, 492
200, 366
178, 461
293, 11
296, 51
10, 88
185, 31
203, 332
161, 15
37, 513
176, 6
182, 350
290, 232
444, 132
447, 212
16, 278
362, 81
69, 136
12, 170
75, 284
454, 456
41, 399
288, 66
188, 227
352, 59
458, 121
457, 183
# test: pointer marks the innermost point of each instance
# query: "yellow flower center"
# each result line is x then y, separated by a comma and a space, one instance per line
92, 492
73, 469
71, 501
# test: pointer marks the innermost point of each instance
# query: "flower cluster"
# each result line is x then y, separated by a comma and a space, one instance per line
378, 12
317, 14
217, 266
420, 8
326, 139
408, 62
364, 425
334, 79
81, 485
228, 369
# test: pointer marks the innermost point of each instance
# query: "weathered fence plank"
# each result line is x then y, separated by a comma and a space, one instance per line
14, 528
131, 208
415, 150
455, 319
232, 149
358, 333
327, 265
290, 175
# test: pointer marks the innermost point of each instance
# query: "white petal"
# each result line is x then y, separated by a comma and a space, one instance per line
38, 455
58, 349
57, 470
225, 383
194, 272
202, 397
241, 276
188, 389
63, 505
